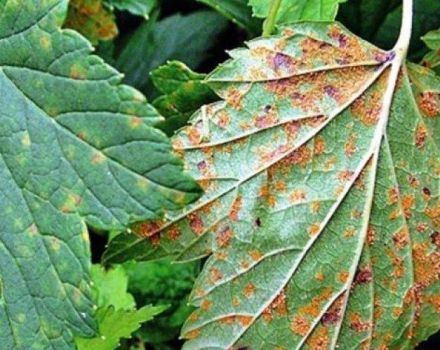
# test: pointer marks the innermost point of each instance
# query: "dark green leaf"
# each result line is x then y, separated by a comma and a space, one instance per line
432, 58
135, 7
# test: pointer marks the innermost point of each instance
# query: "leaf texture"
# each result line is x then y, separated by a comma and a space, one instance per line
75, 148
432, 41
321, 168
135, 7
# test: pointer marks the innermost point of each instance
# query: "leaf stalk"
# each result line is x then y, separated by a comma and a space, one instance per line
269, 23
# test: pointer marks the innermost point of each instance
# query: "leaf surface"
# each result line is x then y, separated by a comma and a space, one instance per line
432, 59
75, 148
135, 7
184, 93
298, 10
321, 168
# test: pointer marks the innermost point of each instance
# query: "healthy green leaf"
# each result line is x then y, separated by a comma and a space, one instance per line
184, 38
92, 19
110, 288
432, 59
75, 148
117, 324
321, 213
135, 7
298, 10
184, 93
238, 11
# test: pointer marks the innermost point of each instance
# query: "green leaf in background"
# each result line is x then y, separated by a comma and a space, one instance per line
92, 19
379, 22
76, 147
321, 214
110, 288
184, 38
115, 325
184, 93
238, 11
162, 283
298, 10
135, 7
432, 59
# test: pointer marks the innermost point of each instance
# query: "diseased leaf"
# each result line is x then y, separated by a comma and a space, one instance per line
432, 41
238, 11
321, 213
91, 19
75, 148
298, 10
135, 7
184, 93
116, 325
184, 38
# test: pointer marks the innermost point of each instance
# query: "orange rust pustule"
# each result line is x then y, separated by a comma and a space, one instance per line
315, 306
235, 208
319, 340
300, 326
148, 228
420, 136
224, 236
357, 324
196, 223
429, 104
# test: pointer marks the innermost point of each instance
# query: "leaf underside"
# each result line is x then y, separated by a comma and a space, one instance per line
321, 212
75, 148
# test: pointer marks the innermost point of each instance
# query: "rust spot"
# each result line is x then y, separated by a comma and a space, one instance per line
319, 146
319, 276
300, 326
244, 321
421, 134
193, 334
148, 228
173, 233
319, 340
298, 195
314, 308
314, 229
357, 324
236, 301
393, 195
343, 276
249, 290
426, 264
429, 104
333, 315
371, 235
235, 208
401, 238
350, 146
408, 202
234, 97
196, 223
216, 275
363, 275
255, 255
205, 305
224, 237
435, 239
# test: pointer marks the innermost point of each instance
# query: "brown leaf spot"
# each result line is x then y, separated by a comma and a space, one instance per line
235, 208
319, 146
343, 276
216, 275
300, 326
314, 229
357, 324
314, 307
319, 276
371, 235
234, 97
148, 228
249, 290
205, 305
173, 232
393, 195
363, 275
421, 134
255, 255
350, 146
196, 223
401, 238
224, 236
429, 104
297, 195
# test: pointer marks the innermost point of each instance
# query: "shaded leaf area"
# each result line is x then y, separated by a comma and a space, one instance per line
321, 213
75, 148
432, 58
238, 11
162, 283
184, 93
185, 38
379, 22
135, 7
298, 10
116, 315
92, 19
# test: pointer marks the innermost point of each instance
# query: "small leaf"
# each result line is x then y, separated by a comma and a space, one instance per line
135, 7
320, 219
184, 93
76, 148
432, 59
298, 10
116, 325
91, 19
238, 11
184, 38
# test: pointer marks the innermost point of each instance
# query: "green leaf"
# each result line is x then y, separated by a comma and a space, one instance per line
184, 38
117, 324
298, 10
75, 148
238, 11
110, 288
321, 214
135, 7
91, 19
184, 92
432, 41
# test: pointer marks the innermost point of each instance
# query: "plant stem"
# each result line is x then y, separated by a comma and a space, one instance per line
269, 23
402, 44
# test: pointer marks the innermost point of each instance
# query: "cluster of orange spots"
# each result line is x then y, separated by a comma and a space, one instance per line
315, 307
300, 326
235, 208
291, 129
345, 175
155, 240
394, 214
393, 195
330, 162
426, 264
236, 301
350, 145
435, 239
297, 195
314, 229
205, 305
333, 315
413, 181
349, 232
397, 311
279, 305
429, 104
434, 300
194, 135
148, 228
267, 119
408, 202
267, 157
173, 232
221, 255
280, 186
433, 213
343, 276
301, 156
357, 324
234, 97
244, 321
223, 119
249, 290
224, 236
397, 261
319, 146
363, 275
215, 275
421, 134
255, 255
196, 223
193, 317
319, 276
319, 340
378, 309
401, 238
192, 334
